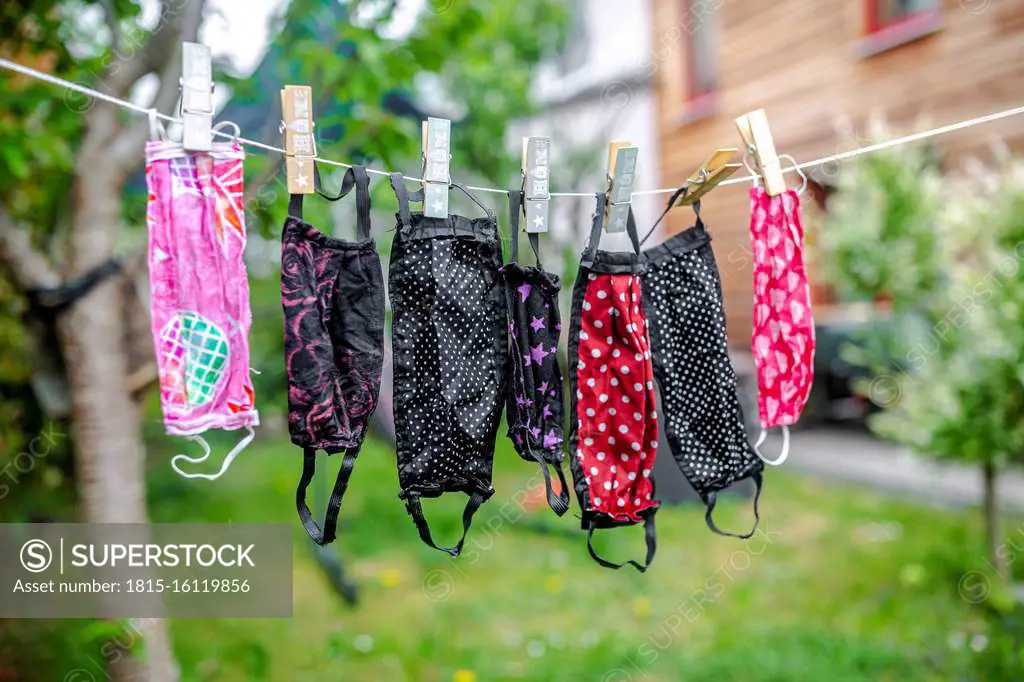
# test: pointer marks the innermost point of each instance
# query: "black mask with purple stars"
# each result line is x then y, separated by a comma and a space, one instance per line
535, 408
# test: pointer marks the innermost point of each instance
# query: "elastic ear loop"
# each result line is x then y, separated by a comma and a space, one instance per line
682, 191
228, 459
559, 503
487, 211
224, 124
650, 538
415, 510
785, 447
712, 500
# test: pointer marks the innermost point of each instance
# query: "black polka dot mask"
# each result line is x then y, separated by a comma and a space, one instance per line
614, 429
704, 422
332, 291
535, 409
450, 343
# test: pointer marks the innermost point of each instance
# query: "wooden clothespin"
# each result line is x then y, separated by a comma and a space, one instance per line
196, 97
300, 145
621, 176
709, 175
436, 166
536, 178
757, 137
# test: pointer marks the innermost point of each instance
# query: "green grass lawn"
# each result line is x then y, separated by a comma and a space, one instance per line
845, 584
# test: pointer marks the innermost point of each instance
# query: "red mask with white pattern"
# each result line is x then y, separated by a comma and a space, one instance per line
783, 329
613, 433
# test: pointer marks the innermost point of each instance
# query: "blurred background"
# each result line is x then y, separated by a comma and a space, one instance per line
888, 539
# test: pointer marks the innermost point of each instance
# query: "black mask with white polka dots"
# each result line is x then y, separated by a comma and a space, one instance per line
704, 422
450, 347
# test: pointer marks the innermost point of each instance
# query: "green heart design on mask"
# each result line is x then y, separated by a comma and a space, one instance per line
201, 346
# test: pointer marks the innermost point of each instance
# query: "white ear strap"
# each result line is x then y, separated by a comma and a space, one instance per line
228, 459
785, 447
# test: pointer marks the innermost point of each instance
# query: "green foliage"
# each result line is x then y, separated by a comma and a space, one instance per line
881, 230
471, 61
948, 252
1003, 656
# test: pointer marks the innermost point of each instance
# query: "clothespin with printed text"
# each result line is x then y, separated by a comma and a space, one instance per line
300, 145
621, 177
536, 178
436, 166
709, 175
757, 137
196, 98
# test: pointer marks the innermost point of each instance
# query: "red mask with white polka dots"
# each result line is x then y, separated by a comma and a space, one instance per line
614, 428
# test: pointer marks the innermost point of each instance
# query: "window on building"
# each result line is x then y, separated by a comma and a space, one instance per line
700, 40
882, 14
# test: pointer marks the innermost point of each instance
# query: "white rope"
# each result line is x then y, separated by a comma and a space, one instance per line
879, 146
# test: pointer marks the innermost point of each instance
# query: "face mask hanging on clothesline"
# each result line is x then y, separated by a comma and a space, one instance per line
200, 289
332, 292
449, 337
534, 409
704, 423
782, 341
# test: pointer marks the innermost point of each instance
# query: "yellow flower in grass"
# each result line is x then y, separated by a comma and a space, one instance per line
641, 607
464, 676
553, 583
390, 577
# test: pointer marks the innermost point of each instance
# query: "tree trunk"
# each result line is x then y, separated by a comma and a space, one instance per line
110, 455
993, 526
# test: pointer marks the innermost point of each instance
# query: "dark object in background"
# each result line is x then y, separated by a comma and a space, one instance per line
45, 306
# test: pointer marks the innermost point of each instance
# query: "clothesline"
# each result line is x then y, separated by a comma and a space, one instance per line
878, 146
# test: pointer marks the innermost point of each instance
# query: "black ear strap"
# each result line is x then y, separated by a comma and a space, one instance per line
327, 535
487, 211
405, 197
594, 240
404, 213
355, 176
649, 536
515, 207
668, 207
362, 182
415, 509
713, 499
559, 503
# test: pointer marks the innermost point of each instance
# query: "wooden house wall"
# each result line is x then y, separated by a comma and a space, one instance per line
799, 60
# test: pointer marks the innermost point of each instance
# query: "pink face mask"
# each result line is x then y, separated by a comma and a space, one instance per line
783, 333
200, 294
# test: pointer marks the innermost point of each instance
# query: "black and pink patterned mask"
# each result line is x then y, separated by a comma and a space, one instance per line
332, 291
